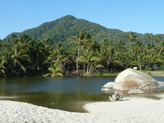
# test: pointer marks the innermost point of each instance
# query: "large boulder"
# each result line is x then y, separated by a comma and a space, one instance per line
130, 78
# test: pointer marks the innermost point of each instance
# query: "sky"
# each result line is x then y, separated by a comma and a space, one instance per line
142, 16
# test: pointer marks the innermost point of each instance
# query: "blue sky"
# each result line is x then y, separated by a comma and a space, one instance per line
142, 16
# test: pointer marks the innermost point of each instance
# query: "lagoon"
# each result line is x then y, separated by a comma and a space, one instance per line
67, 93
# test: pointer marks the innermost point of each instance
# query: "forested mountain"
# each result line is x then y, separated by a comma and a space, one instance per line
62, 30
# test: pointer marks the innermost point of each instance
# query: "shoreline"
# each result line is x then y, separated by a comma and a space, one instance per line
132, 109
110, 74
151, 73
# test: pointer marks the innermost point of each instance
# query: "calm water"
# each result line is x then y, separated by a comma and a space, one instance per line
68, 93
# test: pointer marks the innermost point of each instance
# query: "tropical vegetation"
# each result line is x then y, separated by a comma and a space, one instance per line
83, 55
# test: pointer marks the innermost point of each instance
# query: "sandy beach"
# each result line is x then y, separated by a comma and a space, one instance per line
132, 110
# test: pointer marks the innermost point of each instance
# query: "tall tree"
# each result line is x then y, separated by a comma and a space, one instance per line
132, 38
18, 58
91, 60
151, 37
80, 40
54, 70
3, 61
59, 56
120, 46
158, 39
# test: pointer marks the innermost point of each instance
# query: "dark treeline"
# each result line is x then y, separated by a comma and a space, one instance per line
24, 56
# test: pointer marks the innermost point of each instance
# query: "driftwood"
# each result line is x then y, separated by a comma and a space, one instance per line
115, 97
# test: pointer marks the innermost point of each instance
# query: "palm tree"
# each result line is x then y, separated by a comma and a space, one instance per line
138, 60
13, 40
151, 37
48, 45
80, 40
18, 57
38, 54
91, 60
25, 42
131, 38
3, 61
137, 48
152, 58
55, 70
93, 45
111, 57
161, 48
108, 56
59, 56
120, 46
158, 39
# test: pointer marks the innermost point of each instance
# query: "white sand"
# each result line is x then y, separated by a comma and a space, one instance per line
134, 110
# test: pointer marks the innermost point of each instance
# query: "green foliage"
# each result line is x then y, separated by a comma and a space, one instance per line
95, 50
54, 70
62, 30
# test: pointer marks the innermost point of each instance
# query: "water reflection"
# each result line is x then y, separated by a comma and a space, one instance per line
68, 93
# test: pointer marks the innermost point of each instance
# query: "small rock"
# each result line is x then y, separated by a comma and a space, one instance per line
105, 89
161, 84
109, 85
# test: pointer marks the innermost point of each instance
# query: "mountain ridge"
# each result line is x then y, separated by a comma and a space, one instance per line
62, 29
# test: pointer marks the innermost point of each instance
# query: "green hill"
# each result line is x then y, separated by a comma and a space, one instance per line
64, 28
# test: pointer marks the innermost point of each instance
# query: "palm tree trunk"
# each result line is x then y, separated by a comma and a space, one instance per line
140, 66
77, 64
88, 69
107, 66
83, 67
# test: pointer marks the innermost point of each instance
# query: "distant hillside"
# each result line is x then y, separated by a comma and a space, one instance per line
64, 28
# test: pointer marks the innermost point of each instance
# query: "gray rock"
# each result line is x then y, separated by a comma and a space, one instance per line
109, 85
105, 89
131, 78
161, 84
